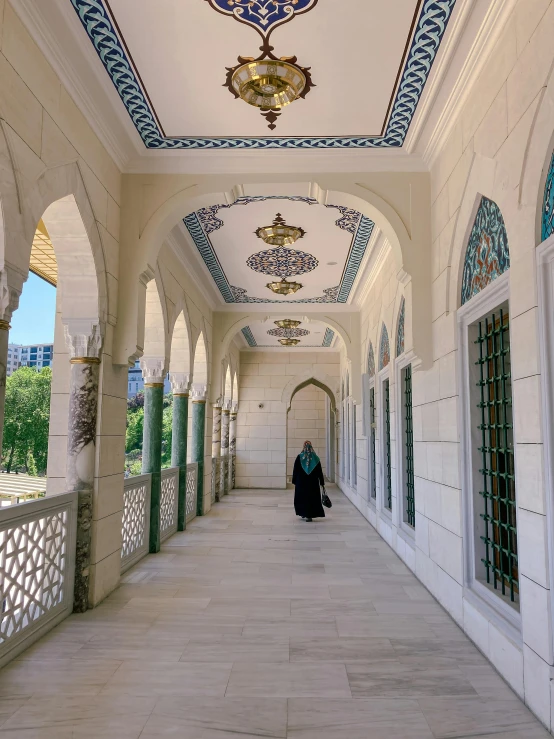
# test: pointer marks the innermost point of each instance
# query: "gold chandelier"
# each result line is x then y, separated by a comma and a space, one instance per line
283, 287
279, 234
287, 323
268, 83
289, 342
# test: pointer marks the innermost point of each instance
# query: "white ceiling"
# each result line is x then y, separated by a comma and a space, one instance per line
230, 240
314, 340
354, 48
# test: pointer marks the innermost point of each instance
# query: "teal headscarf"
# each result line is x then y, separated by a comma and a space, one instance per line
308, 458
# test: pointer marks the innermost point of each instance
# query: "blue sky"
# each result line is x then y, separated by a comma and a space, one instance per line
33, 321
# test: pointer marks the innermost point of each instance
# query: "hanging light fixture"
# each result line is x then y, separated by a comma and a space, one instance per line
279, 234
284, 288
289, 342
287, 323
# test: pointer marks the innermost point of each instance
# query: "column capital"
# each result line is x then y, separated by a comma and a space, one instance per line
218, 404
11, 285
83, 338
153, 370
235, 408
180, 383
226, 407
198, 392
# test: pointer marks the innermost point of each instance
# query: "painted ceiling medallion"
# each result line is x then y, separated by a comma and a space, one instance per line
268, 82
287, 323
279, 234
288, 333
263, 15
289, 342
284, 287
282, 262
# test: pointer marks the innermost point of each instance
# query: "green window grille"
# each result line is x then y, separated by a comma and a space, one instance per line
388, 466
409, 447
497, 455
372, 442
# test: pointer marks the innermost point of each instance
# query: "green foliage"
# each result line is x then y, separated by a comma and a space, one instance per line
135, 428
26, 421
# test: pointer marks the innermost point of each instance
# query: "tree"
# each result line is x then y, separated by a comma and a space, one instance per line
26, 420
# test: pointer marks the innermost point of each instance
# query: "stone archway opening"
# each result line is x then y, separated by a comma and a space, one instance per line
311, 415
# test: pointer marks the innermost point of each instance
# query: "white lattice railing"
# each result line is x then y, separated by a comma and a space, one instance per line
192, 491
37, 569
169, 502
136, 520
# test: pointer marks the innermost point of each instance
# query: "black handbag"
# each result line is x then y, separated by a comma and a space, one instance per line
326, 500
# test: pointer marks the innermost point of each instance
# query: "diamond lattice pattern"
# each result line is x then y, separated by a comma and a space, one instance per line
191, 492
168, 504
33, 559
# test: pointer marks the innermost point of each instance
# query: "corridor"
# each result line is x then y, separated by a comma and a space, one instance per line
255, 624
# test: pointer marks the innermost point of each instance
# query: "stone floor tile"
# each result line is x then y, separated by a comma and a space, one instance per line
171, 678
342, 650
326, 680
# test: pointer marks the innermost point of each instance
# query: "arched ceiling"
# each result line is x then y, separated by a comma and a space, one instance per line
369, 62
326, 260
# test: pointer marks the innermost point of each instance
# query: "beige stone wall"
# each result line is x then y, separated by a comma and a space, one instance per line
307, 420
262, 431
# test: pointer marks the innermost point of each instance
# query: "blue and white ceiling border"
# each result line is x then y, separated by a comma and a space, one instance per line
428, 34
205, 221
253, 344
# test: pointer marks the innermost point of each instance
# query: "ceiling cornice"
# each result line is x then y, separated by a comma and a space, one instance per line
55, 29
487, 33
179, 245
380, 251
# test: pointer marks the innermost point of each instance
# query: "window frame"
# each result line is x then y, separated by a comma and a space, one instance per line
371, 443
403, 361
494, 296
385, 375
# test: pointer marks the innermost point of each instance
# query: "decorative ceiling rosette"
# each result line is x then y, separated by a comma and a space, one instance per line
282, 262
288, 333
263, 15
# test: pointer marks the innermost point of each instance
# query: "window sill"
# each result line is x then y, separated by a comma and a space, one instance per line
499, 613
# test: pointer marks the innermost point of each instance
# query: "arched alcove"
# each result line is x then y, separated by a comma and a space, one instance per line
200, 365
180, 361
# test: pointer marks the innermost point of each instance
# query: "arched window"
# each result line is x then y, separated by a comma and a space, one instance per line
400, 329
384, 349
548, 204
371, 361
487, 254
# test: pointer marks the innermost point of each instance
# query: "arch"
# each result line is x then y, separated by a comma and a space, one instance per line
180, 360
400, 328
371, 360
487, 253
167, 204
384, 348
200, 365
319, 379
155, 321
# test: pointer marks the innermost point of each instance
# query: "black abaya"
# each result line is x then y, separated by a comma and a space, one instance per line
307, 494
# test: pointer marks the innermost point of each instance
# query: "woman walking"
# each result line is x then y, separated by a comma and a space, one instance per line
307, 476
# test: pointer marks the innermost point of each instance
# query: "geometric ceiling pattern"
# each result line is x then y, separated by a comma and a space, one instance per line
421, 47
256, 338
204, 223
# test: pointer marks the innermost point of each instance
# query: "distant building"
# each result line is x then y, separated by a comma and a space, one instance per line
135, 383
32, 355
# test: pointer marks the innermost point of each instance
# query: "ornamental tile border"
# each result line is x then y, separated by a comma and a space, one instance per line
249, 336
487, 255
384, 349
400, 329
548, 203
426, 40
205, 221
371, 361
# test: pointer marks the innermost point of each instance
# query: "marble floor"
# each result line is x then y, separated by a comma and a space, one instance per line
253, 623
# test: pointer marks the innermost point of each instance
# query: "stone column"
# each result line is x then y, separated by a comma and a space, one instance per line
180, 384
153, 372
197, 445
232, 445
225, 422
11, 284
84, 356
216, 448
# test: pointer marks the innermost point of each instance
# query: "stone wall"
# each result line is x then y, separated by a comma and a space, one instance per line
307, 420
262, 419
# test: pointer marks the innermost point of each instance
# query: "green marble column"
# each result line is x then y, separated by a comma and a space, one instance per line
179, 450
152, 453
197, 442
